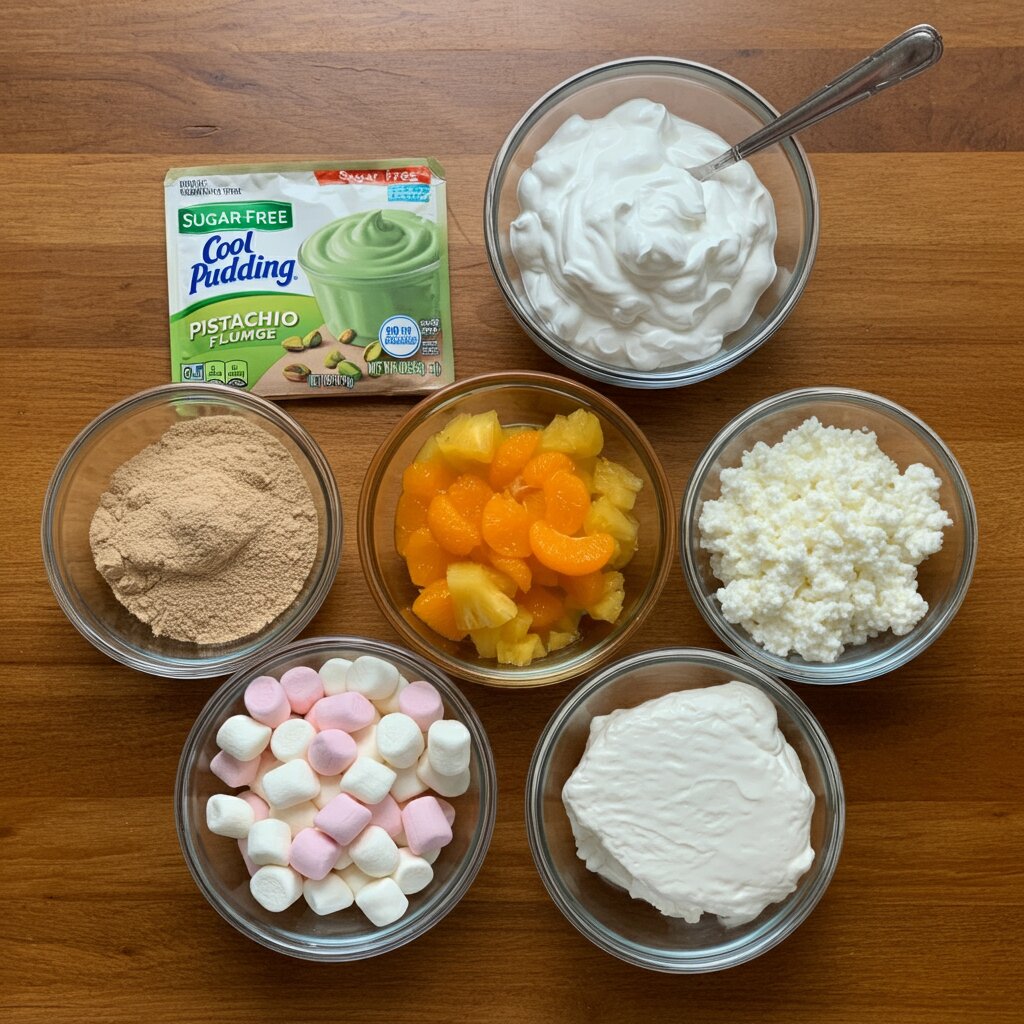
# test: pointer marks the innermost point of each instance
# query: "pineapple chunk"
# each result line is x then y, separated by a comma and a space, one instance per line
608, 607
478, 597
520, 652
471, 438
578, 434
486, 640
430, 450
604, 517
557, 640
616, 483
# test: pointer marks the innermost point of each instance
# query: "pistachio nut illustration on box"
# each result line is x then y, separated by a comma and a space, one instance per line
310, 279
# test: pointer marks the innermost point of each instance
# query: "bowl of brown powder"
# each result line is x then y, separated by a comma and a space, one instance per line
190, 528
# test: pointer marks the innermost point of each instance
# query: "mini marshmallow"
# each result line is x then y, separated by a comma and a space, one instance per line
431, 855
366, 743
249, 866
354, 878
425, 824
343, 819
448, 747
275, 888
399, 740
313, 853
260, 810
388, 816
291, 783
330, 787
382, 901
269, 842
390, 706
229, 816
291, 739
266, 701
243, 737
447, 810
333, 674
349, 712
343, 861
231, 771
368, 780
374, 678
374, 852
298, 816
331, 752
267, 763
443, 785
327, 895
304, 688
407, 784
413, 873
422, 703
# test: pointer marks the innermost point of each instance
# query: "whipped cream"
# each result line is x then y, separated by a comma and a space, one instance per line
627, 257
695, 803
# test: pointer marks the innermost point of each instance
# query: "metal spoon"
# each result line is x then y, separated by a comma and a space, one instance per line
907, 55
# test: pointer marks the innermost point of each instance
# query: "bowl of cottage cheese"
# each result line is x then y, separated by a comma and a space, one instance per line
685, 810
619, 263
828, 535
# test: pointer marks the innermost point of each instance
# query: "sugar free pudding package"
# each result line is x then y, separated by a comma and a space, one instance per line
310, 279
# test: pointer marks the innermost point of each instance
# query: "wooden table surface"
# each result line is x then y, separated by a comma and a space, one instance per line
916, 295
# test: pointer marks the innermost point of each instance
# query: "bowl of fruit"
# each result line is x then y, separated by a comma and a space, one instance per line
516, 528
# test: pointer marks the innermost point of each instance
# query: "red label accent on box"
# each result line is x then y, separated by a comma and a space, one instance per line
375, 176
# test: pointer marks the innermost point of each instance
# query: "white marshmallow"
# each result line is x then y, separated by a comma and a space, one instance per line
442, 785
367, 780
292, 783
448, 747
430, 855
243, 737
399, 740
267, 763
374, 678
354, 878
407, 784
334, 673
366, 743
327, 895
330, 787
343, 861
275, 887
382, 901
229, 816
374, 852
413, 873
291, 739
297, 817
389, 705
269, 842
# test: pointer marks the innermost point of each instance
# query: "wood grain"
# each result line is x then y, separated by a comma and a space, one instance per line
916, 294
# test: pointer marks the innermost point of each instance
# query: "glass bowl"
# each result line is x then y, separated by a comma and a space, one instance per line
943, 578
216, 863
519, 398
83, 474
632, 929
706, 97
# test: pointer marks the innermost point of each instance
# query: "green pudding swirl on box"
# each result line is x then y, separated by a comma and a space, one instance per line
310, 279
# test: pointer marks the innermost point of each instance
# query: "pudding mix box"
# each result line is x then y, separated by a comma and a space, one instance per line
310, 279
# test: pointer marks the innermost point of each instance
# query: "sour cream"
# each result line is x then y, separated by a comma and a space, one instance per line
694, 802
625, 255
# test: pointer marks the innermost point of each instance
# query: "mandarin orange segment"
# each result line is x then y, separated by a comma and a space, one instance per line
545, 465
566, 501
583, 591
469, 494
516, 569
512, 455
542, 575
506, 527
545, 605
452, 530
425, 479
571, 556
426, 559
434, 607
534, 502
410, 515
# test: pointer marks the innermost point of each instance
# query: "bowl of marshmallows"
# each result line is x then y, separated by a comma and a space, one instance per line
335, 801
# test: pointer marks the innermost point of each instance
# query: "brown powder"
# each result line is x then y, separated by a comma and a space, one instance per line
208, 534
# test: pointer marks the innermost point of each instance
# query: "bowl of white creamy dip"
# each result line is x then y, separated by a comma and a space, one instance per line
685, 810
613, 258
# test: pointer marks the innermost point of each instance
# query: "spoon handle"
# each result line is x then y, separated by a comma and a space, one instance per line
901, 58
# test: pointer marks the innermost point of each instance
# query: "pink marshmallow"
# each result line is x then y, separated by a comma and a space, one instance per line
260, 809
349, 712
387, 815
446, 809
425, 825
243, 846
304, 688
231, 771
313, 854
343, 818
422, 703
266, 701
331, 751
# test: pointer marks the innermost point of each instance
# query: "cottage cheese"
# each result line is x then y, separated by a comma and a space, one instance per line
695, 803
818, 538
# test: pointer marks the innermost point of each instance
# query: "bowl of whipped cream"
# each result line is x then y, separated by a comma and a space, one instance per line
685, 810
615, 259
